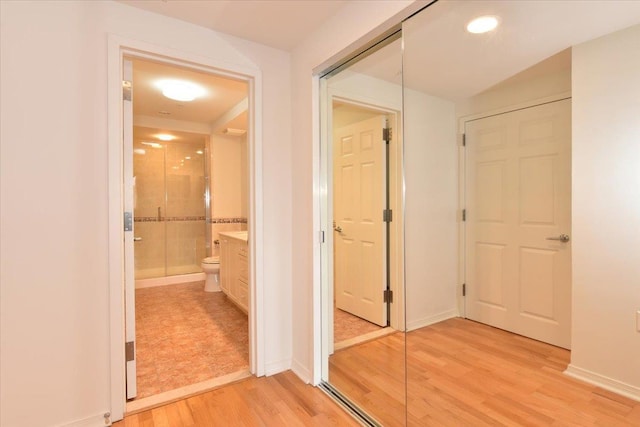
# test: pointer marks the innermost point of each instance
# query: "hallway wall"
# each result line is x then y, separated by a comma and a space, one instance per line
606, 211
54, 319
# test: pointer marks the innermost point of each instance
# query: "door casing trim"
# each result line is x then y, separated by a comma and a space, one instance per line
118, 47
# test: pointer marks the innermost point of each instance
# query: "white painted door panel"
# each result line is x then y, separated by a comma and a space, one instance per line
129, 272
518, 187
359, 200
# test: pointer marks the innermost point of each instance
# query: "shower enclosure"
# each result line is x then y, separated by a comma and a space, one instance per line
170, 198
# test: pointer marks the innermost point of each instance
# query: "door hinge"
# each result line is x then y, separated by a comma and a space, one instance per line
322, 237
128, 221
387, 135
464, 215
464, 289
464, 139
387, 215
387, 296
129, 351
126, 90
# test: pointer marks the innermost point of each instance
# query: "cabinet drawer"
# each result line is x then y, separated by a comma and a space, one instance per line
243, 293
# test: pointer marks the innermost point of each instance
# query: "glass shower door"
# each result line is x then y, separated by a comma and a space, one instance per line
169, 199
185, 208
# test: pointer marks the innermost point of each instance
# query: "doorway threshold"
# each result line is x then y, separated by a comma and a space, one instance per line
161, 399
363, 338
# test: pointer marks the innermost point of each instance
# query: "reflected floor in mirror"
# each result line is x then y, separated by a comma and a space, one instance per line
463, 373
347, 327
372, 376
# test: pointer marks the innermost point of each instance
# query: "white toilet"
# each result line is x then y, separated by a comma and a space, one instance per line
211, 267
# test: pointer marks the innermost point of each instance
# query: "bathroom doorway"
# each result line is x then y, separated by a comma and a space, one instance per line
187, 183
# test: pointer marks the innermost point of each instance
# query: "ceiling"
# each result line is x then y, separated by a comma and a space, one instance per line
440, 58
530, 32
221, 93
277, 23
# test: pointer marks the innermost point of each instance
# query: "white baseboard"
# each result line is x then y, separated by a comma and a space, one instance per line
273, 368
430, 320
301, 371
95, 421
623, 389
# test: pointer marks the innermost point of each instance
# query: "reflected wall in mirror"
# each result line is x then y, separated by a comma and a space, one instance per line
363, 338
488, 122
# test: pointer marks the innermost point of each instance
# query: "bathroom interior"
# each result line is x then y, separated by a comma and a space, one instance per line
190, 192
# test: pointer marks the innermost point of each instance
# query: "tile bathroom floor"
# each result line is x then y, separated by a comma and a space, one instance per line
185, 336
347, 326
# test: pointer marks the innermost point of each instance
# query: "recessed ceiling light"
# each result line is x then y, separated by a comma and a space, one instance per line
180, 90
482, 24
152, 144
165, 137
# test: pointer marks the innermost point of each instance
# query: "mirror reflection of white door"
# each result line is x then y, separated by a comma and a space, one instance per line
518, 198
359, 232
128, 182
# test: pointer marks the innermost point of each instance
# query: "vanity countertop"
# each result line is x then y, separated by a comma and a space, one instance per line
239, 235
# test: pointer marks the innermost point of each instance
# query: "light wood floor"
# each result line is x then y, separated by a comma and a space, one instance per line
462, 373
280, 400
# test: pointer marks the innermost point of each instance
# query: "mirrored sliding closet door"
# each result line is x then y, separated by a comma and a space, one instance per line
363, 304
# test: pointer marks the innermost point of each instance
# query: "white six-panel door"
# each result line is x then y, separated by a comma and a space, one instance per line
518, 196
359, 236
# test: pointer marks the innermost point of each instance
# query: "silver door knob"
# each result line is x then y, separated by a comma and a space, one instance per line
338, 229
137, 239
564, 238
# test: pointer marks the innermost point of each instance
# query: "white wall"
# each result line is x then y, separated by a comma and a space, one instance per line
606, 210
226, 176
431, 209
54, 303
512, 94
336, 34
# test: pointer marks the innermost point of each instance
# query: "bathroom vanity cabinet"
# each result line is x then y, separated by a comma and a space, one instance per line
234, 268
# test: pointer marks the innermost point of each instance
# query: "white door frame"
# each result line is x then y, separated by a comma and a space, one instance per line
118, 47
462, 168
325, 176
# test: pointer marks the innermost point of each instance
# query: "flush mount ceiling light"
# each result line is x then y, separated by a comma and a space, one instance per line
482, 24
165, 137
180, 90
